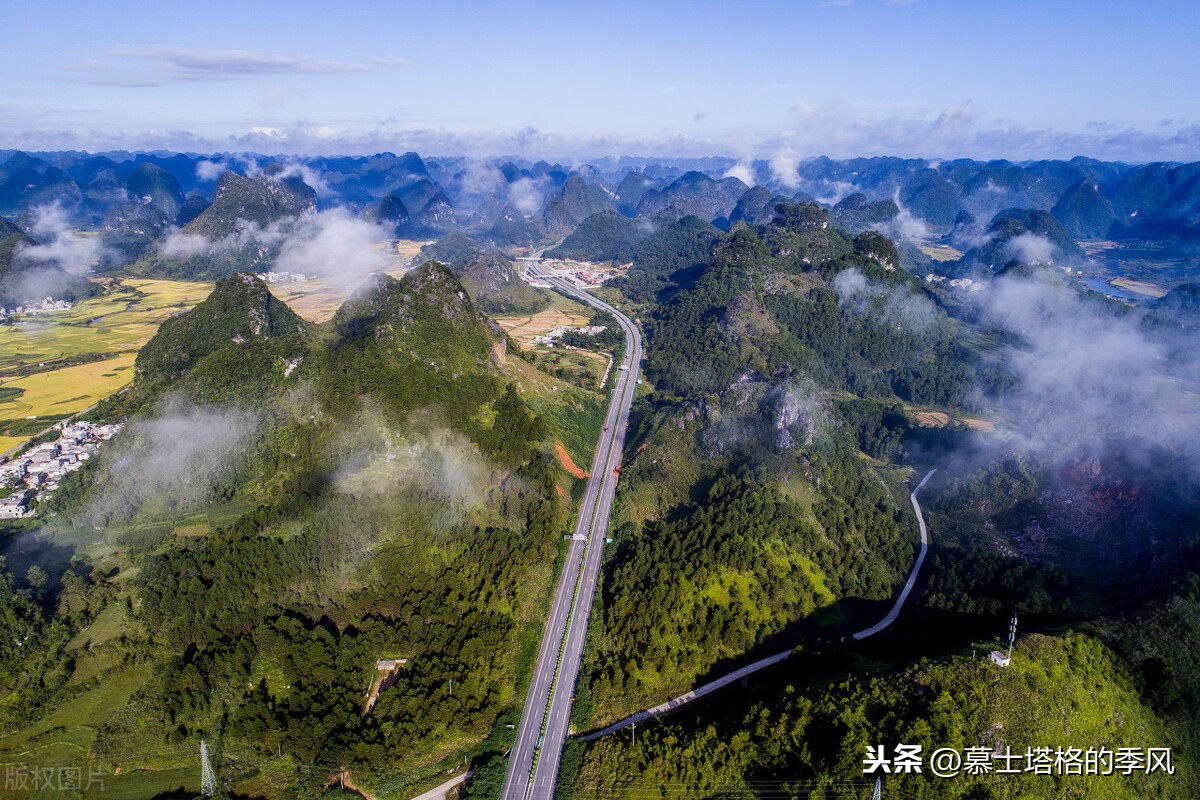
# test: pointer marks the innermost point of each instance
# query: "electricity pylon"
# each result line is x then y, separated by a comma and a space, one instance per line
208, 778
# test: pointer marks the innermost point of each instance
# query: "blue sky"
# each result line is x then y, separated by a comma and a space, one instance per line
933, 78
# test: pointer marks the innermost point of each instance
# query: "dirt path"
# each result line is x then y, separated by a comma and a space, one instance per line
343, 779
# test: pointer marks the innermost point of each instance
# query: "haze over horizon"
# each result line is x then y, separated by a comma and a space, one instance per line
916, 78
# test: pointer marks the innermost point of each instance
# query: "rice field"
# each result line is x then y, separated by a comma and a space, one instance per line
526, 327
316, 300
941, 252
54, 365
937, 419
1141, 287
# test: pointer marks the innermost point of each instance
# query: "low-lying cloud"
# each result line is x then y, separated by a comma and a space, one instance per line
1086, 376
895, 306
744, 172
527, 195
179, 244
336, 245
833, 130
209, 170
436, 459
1030, 248
905, 226
785, 168
60, 246
169, 461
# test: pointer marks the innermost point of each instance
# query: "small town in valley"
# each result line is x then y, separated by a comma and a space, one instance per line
35, 473
47, 306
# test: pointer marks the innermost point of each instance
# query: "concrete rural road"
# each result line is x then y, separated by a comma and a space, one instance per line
439, 792
749, 669
912, 576
534, 760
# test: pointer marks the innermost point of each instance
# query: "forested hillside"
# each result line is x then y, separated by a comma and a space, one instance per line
744, 514
288, 504
802, 382
805, 737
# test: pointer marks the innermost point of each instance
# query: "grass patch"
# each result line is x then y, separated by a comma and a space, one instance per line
75, 720
941, 252
109, 624
141, 784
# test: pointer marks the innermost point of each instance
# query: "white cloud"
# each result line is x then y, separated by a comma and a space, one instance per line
895, 306
172, 459
127, 65
526, 195
904, 226
332, 244
209, 170
784, 168
60, 245
294, 169
1030, 248
743, 171
336, 245
184, 245
837, 130
1088, 376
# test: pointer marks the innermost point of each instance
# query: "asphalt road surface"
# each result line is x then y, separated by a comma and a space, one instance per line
534, 760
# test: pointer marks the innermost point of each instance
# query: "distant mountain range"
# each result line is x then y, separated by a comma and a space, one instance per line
138, 200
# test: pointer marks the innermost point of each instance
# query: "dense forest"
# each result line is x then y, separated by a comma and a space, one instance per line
288, 504
743, 508
762, 507
806, 737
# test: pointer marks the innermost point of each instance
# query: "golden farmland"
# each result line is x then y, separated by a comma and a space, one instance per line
40, 371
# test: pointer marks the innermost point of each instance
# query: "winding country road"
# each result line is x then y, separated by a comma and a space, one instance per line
534, 759
912, 576
749, 669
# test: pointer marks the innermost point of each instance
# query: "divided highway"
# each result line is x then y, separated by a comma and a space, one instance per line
534, 760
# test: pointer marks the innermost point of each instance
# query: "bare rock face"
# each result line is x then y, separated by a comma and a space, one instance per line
779, 415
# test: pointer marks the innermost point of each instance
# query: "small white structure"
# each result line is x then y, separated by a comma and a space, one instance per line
389, 664
281, 277
999, 656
